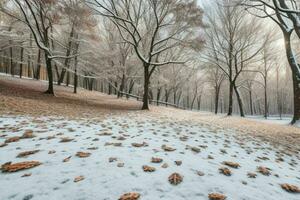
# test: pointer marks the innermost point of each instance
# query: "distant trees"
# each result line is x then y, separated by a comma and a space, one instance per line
233, 41
153, 28
286, 15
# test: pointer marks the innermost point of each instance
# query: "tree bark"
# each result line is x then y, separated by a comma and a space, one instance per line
230, 99
146, 88
240, 102
21, 64
296, 76
50, 75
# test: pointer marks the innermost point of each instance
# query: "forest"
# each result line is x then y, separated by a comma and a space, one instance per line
155, 73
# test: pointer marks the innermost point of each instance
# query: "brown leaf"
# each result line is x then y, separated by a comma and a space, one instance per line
66, 139
27, 153
156, 160
175, 179
231, 164
290, 188
67, 159
144, 144
167, 148
52, 152
251, 175
225, 171
78, 178
165, 165
130, 196
28, 134
195, 149
216, 196
9, 167
26, 175
82, 154
148, 168
178, 162
264, 170
12, 139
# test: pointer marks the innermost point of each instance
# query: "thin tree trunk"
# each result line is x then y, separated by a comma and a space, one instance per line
230, 99
50, 75
240, 103
21, 64
146, 88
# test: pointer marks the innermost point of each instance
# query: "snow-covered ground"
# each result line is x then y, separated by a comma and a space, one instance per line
272, 119
112, 137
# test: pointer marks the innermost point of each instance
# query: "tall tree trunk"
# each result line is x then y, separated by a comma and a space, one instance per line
230, 99
251, 101
266, 99
295, 75
12, 66
75, 76
67, 60
158, 95
240, 102
50, 75
122, 86
38, 66
146, 87
21, 64
217, 92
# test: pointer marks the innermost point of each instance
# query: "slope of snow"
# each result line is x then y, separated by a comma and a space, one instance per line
105, 180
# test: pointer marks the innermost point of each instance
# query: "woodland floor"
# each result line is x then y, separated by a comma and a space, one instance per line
116, 140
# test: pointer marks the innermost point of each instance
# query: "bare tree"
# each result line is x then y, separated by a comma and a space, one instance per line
152, 28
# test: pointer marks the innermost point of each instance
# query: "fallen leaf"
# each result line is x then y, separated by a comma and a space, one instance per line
66, 139
12, 139
26, 175
27, 153
175, 179
28, 134
78, 178
251, 175
130, 196
264, 170
231, 164
82, 154
178, 162
225, 171
9, 167
144, 144
290, 188
67, 159
216, 196
167, 148
156, 160
148, 168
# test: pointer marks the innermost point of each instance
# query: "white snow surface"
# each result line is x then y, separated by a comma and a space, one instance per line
104, 180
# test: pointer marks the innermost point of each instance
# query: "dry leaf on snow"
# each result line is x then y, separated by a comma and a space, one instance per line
82, 154
78, 178
148, 168
216, 196
9, 167
27, 153
290, 188
130, 196
175, 178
